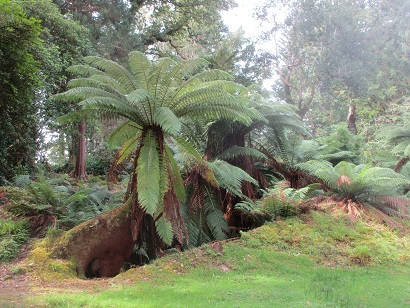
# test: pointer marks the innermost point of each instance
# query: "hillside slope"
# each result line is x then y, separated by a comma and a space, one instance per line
321, 260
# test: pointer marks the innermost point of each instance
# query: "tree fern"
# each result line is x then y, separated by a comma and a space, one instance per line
364, 184
157, 98
230, 177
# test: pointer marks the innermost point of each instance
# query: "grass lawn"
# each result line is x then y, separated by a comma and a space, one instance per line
256, 278
323, 261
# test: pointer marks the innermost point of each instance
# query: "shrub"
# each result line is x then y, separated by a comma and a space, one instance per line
276, 205
13, 234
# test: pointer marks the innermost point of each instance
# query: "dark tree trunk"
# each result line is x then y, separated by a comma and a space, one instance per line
72, 149
80, 165
351, 119
401, 163
235, 218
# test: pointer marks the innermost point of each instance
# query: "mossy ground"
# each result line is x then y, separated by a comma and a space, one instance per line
323, 259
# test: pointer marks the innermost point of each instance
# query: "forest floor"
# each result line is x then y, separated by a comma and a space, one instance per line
323, 259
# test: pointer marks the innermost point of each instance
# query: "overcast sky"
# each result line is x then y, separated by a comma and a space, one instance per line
243, 17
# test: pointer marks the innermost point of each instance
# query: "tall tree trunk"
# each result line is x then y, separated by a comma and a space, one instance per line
351, 119
80, 166
72, 150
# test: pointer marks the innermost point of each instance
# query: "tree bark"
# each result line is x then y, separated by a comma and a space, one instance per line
80, 166
401, 163
351, 119
99, 246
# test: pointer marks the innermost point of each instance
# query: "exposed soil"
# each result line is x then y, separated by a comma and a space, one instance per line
13, 284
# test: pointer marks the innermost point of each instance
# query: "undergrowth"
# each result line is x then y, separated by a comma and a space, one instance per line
13, 234
321, 259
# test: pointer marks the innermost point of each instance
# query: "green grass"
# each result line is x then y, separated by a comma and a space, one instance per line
284, 264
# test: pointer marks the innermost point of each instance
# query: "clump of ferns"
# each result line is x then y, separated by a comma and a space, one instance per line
281, 201
65, 206
375, 190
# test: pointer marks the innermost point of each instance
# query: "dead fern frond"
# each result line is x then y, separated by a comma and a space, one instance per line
344, 180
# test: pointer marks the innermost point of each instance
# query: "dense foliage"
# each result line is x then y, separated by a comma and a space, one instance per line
161, 99
19, 38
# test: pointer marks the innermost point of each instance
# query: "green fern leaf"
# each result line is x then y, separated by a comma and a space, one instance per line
177, 181
122, 133
127, 148
164, 230
237, 151
141, 68
148, 174
167, 120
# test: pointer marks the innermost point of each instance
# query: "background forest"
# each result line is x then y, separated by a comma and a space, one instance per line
156, 105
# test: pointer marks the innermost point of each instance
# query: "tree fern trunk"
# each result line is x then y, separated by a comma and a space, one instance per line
99, 246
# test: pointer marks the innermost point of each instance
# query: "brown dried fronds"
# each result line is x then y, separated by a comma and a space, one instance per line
399, 204
344, 180
379, 216
173, 214
351, 208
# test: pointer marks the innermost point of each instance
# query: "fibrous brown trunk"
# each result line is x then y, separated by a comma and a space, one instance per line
235, 218
99, 246
80, 165
351, 119
401, 163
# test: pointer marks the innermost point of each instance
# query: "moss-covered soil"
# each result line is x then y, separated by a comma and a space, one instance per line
323, 259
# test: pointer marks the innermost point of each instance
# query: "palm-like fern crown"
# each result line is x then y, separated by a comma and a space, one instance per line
400, 137
157, 97
155, 93
281, 136
381, 187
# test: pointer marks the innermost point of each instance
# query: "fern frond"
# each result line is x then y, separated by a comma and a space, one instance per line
167, 120
191, 155
177, 181
230, 177
144, 104
237, 151
127, 148
122, 133
140, 67
114, 70
159, 80
164, 230
322, 170
193, 82
214, 216
148, 174
84, 70
81, 93
104, 105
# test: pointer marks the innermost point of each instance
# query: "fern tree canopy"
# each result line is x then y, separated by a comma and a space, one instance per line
156, 98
